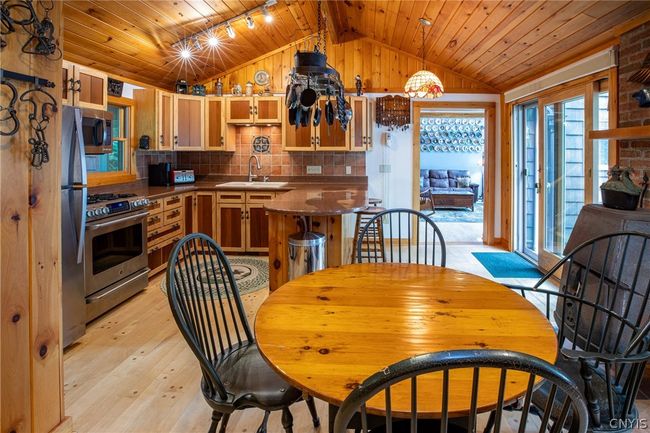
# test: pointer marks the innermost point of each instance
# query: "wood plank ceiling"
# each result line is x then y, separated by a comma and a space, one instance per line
501, 43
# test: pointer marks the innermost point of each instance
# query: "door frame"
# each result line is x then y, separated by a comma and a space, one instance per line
489, 181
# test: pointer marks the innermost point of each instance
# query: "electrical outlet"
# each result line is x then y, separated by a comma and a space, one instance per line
314, 169
384, 168
348, 169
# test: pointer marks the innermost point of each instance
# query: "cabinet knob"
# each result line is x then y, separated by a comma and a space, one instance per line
78, 89
312, 141
250, 109
222, 139
256, 110
242, 215
162, 139
247, 215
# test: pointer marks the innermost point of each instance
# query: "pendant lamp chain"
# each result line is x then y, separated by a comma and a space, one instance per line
320, 28
423, 47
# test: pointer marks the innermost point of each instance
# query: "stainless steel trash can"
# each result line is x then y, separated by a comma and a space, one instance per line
306, 253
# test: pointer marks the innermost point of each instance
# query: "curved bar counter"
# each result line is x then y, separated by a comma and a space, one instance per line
324, 209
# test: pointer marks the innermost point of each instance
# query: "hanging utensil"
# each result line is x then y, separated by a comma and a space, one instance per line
298, 117
317, 114
308, 96
292, 115
305, 116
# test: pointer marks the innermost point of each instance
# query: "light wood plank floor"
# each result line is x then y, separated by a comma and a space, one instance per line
132, 371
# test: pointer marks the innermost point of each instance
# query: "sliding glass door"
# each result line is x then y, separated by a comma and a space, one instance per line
563, 173
527, 188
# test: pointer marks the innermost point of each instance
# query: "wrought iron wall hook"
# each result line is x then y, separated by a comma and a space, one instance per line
41, 41
40, 154
10, 109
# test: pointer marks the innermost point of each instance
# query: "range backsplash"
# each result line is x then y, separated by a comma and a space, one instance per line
274, 163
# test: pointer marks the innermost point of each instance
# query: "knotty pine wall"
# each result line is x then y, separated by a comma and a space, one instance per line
31, 394
382, 68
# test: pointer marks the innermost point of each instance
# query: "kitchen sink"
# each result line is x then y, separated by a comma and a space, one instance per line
254, 185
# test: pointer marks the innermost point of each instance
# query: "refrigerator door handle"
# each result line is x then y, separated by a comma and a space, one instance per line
80, 151
81, 230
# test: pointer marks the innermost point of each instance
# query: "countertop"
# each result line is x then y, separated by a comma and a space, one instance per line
317, 196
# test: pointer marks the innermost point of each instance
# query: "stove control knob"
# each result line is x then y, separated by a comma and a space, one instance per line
145, 201
137, 203
105, 211
89, 213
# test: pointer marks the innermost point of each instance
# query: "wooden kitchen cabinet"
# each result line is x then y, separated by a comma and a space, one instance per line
239, 109
218, 134
257, 221
189, 213
248, 110
165, 227
206, 213
331, 137
188, 122
361, 124
84, 87
154, 116
231, 226
301, 139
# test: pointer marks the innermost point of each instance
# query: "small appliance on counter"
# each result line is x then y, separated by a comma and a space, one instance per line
182, 176
160, 174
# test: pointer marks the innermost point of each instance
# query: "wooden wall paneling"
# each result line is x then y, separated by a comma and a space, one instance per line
31, 395
507, 176
380, 65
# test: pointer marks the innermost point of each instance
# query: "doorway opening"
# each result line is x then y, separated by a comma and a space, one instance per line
452, 162
452, 144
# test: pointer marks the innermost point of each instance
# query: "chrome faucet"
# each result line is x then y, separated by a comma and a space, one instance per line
252, 176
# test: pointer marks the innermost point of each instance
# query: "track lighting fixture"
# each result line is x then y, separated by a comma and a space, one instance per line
213, 40
186, 54
250, 22
267, 15
196, 42
230, 31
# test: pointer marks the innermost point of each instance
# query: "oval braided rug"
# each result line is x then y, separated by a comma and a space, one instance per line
251, 274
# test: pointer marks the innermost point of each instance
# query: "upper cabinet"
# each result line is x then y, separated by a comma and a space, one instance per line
218, 136
324, 137
154, 117
83, 86
188, 122
248, 110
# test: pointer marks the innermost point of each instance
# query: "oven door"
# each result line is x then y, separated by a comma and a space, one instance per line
116, 248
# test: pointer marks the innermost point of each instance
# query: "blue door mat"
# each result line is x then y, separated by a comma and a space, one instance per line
507, 265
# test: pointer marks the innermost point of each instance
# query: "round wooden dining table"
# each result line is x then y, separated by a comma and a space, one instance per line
326, 332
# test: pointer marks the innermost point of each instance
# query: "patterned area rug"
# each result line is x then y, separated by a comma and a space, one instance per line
458, 215
251, 274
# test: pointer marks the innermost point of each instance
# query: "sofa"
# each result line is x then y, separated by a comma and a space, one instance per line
449, 188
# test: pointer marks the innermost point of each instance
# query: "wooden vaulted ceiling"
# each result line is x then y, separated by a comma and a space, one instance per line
499, 43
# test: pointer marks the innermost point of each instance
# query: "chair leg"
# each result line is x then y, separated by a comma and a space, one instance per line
590, 395
224, 423
265, 421
287, 420
312, 410
490, 422
216, 417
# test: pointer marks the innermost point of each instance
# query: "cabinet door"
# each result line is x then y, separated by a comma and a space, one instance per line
257, 228
91, 88
205, 213
165, 102
331, 137
371, 122
300, 139
67, 83
239, 109
188, 122
189, 222
359, 124
268, 109
215, 125
231, 226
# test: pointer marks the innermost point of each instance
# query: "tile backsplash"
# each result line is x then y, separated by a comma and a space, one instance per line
274, 163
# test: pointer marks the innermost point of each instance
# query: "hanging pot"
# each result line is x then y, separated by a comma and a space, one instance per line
309, 59
329, 112
317, 114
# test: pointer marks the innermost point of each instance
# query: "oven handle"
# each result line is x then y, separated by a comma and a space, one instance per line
98, 297
119, 220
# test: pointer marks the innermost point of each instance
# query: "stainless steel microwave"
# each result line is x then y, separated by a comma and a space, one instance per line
97, 131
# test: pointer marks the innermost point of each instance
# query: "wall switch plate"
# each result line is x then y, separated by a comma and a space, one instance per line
384, 168
314, 169
348, 169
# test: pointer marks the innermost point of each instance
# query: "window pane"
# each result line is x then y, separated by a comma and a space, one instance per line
601, 147
108, 162
564, 170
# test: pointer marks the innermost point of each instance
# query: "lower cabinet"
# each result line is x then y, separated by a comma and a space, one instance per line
165, 226
243, 225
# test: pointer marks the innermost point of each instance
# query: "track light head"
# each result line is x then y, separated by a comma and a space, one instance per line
250, 22
230, 31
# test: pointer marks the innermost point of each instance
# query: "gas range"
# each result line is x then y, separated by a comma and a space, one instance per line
105, 205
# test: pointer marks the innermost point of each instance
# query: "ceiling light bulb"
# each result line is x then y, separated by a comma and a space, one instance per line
250, 22
186, 53
213, 41
230, 31
267, 15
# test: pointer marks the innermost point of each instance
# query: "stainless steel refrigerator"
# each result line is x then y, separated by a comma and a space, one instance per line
74, 193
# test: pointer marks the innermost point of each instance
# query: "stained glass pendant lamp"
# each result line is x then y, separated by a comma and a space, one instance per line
424, 84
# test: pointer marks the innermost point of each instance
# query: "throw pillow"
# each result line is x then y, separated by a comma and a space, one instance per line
463, 182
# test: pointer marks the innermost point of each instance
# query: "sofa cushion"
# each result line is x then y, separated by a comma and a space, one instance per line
440, 183
463, 182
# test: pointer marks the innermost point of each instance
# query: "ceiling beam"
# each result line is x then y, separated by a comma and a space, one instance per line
337, 22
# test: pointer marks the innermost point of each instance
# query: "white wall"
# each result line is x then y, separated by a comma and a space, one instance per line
395, 188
